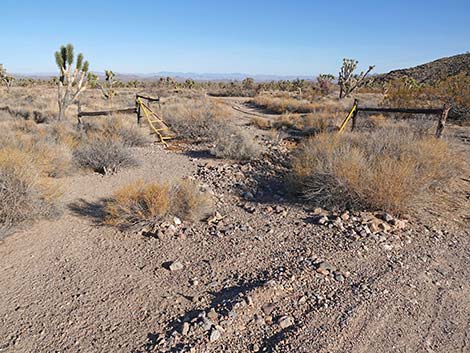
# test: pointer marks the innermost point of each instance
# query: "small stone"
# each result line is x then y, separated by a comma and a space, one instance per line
176, 266
249, 300
185, 329
214, 335
325, 268
321, 220
206, 324
339, 277
345, 216
177, 221
212, 314
268, 308
285, 322
248, 196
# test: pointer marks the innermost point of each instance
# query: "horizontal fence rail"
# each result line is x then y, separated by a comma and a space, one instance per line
107, 112
434, 111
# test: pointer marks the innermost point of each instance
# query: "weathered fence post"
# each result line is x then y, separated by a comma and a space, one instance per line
353, 125
79, 110
442, 121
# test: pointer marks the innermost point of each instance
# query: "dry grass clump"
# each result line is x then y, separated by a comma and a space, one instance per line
141, 203
123, 130
389, 170
261, 123
103, 155
235, 143
117, 129
23, 193
49, 158
195, 119
281, 105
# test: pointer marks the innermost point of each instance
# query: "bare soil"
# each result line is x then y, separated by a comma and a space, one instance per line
73, 285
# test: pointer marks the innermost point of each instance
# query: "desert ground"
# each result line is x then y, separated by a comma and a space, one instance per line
262, 266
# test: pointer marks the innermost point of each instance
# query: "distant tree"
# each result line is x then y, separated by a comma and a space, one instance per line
108, 88
325, 83
248, 83
72, 81
299, 84
189, 83
347, 80
5, 78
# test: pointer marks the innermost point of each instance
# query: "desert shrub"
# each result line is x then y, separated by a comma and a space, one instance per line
194, 120
103, 155
390, 170
48, 157
235, 143
128, 133
141, 203
261, 123
23, 194
281, 105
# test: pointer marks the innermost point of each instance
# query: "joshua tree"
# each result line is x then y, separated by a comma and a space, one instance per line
325, 83
347, 80
72, 81
108, 89
5, 78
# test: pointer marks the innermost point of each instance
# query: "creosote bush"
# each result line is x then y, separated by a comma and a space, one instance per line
141, 203
235, 143
103, 155
390, 170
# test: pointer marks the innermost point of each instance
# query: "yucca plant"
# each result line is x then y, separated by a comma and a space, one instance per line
5, 78
347, 80
72, 81
108, 88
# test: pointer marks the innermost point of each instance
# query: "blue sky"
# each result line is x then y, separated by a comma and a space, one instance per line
259, 36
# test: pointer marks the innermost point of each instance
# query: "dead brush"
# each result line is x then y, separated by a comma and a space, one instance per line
281, 105
194, 120
49, 158
234, 143
103, 155
261, 123
149, 204
24, 194
391, 170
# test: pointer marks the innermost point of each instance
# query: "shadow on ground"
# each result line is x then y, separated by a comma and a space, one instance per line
92, 210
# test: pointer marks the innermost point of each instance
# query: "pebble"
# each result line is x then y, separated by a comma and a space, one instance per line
285, 322
176, 266
214, 335
185, 329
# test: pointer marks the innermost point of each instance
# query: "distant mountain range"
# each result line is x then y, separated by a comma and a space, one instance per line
181, 76
426, 73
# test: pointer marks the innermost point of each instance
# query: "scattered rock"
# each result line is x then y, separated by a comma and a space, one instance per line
268, 308
285, 322
175, 266
185, 328
177, 221
325, 268
214, 335
212, 314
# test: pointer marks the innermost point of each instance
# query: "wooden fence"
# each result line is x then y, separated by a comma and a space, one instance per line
111, 112
441, 113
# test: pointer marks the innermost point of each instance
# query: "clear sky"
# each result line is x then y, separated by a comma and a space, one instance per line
207, 36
